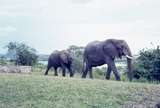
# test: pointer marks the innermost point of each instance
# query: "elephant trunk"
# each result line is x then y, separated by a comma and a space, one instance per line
129, 65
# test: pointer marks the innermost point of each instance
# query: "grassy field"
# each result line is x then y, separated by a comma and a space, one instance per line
37, 91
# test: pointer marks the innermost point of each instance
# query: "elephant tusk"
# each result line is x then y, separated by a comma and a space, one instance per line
129, 57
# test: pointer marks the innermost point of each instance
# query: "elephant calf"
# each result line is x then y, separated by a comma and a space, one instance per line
60, 59
98, 53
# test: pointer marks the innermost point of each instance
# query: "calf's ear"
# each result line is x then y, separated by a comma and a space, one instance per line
64, 58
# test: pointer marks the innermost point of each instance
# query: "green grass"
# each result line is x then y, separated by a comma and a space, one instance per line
38, 91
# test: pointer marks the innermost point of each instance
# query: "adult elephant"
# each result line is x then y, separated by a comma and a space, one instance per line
98, 53
61, 59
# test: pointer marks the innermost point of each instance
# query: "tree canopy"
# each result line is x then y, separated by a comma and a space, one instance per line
77, 53
21, 53
147, 64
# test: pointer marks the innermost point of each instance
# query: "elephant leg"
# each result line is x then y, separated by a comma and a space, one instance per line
55, 72
70, 71
108, 74
85, 71
63, 69
90, 73
113, 67
48, 67
63, 72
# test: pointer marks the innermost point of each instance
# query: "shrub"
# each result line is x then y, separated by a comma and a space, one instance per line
22, 54
147, 65
98, 73
77, 53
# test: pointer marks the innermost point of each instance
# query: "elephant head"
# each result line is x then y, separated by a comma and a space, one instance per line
122, 49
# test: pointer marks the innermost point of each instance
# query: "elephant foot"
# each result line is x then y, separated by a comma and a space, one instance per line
118, 79
45, 74
63, 75
107, 77
55, 74
71, 75
83, 76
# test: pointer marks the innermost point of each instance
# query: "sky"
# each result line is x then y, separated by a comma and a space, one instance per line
49, 25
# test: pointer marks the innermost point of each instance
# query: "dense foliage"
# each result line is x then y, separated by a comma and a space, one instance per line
77, 54
21, 54
147, 65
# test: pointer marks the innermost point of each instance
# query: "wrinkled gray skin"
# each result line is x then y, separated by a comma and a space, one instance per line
98, 53
60, 59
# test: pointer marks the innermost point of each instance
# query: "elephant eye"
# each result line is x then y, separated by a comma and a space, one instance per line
122, 47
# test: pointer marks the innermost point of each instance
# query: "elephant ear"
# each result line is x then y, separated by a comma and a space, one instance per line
113, 48
64, 57
119, 46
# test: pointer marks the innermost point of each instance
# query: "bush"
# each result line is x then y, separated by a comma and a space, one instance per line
77, 53
3, 60
147, 65
21, 54
39, 68
99, 73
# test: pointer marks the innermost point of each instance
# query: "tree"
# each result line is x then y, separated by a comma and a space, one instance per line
12, 50
22, 54
77, 53
147, 65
